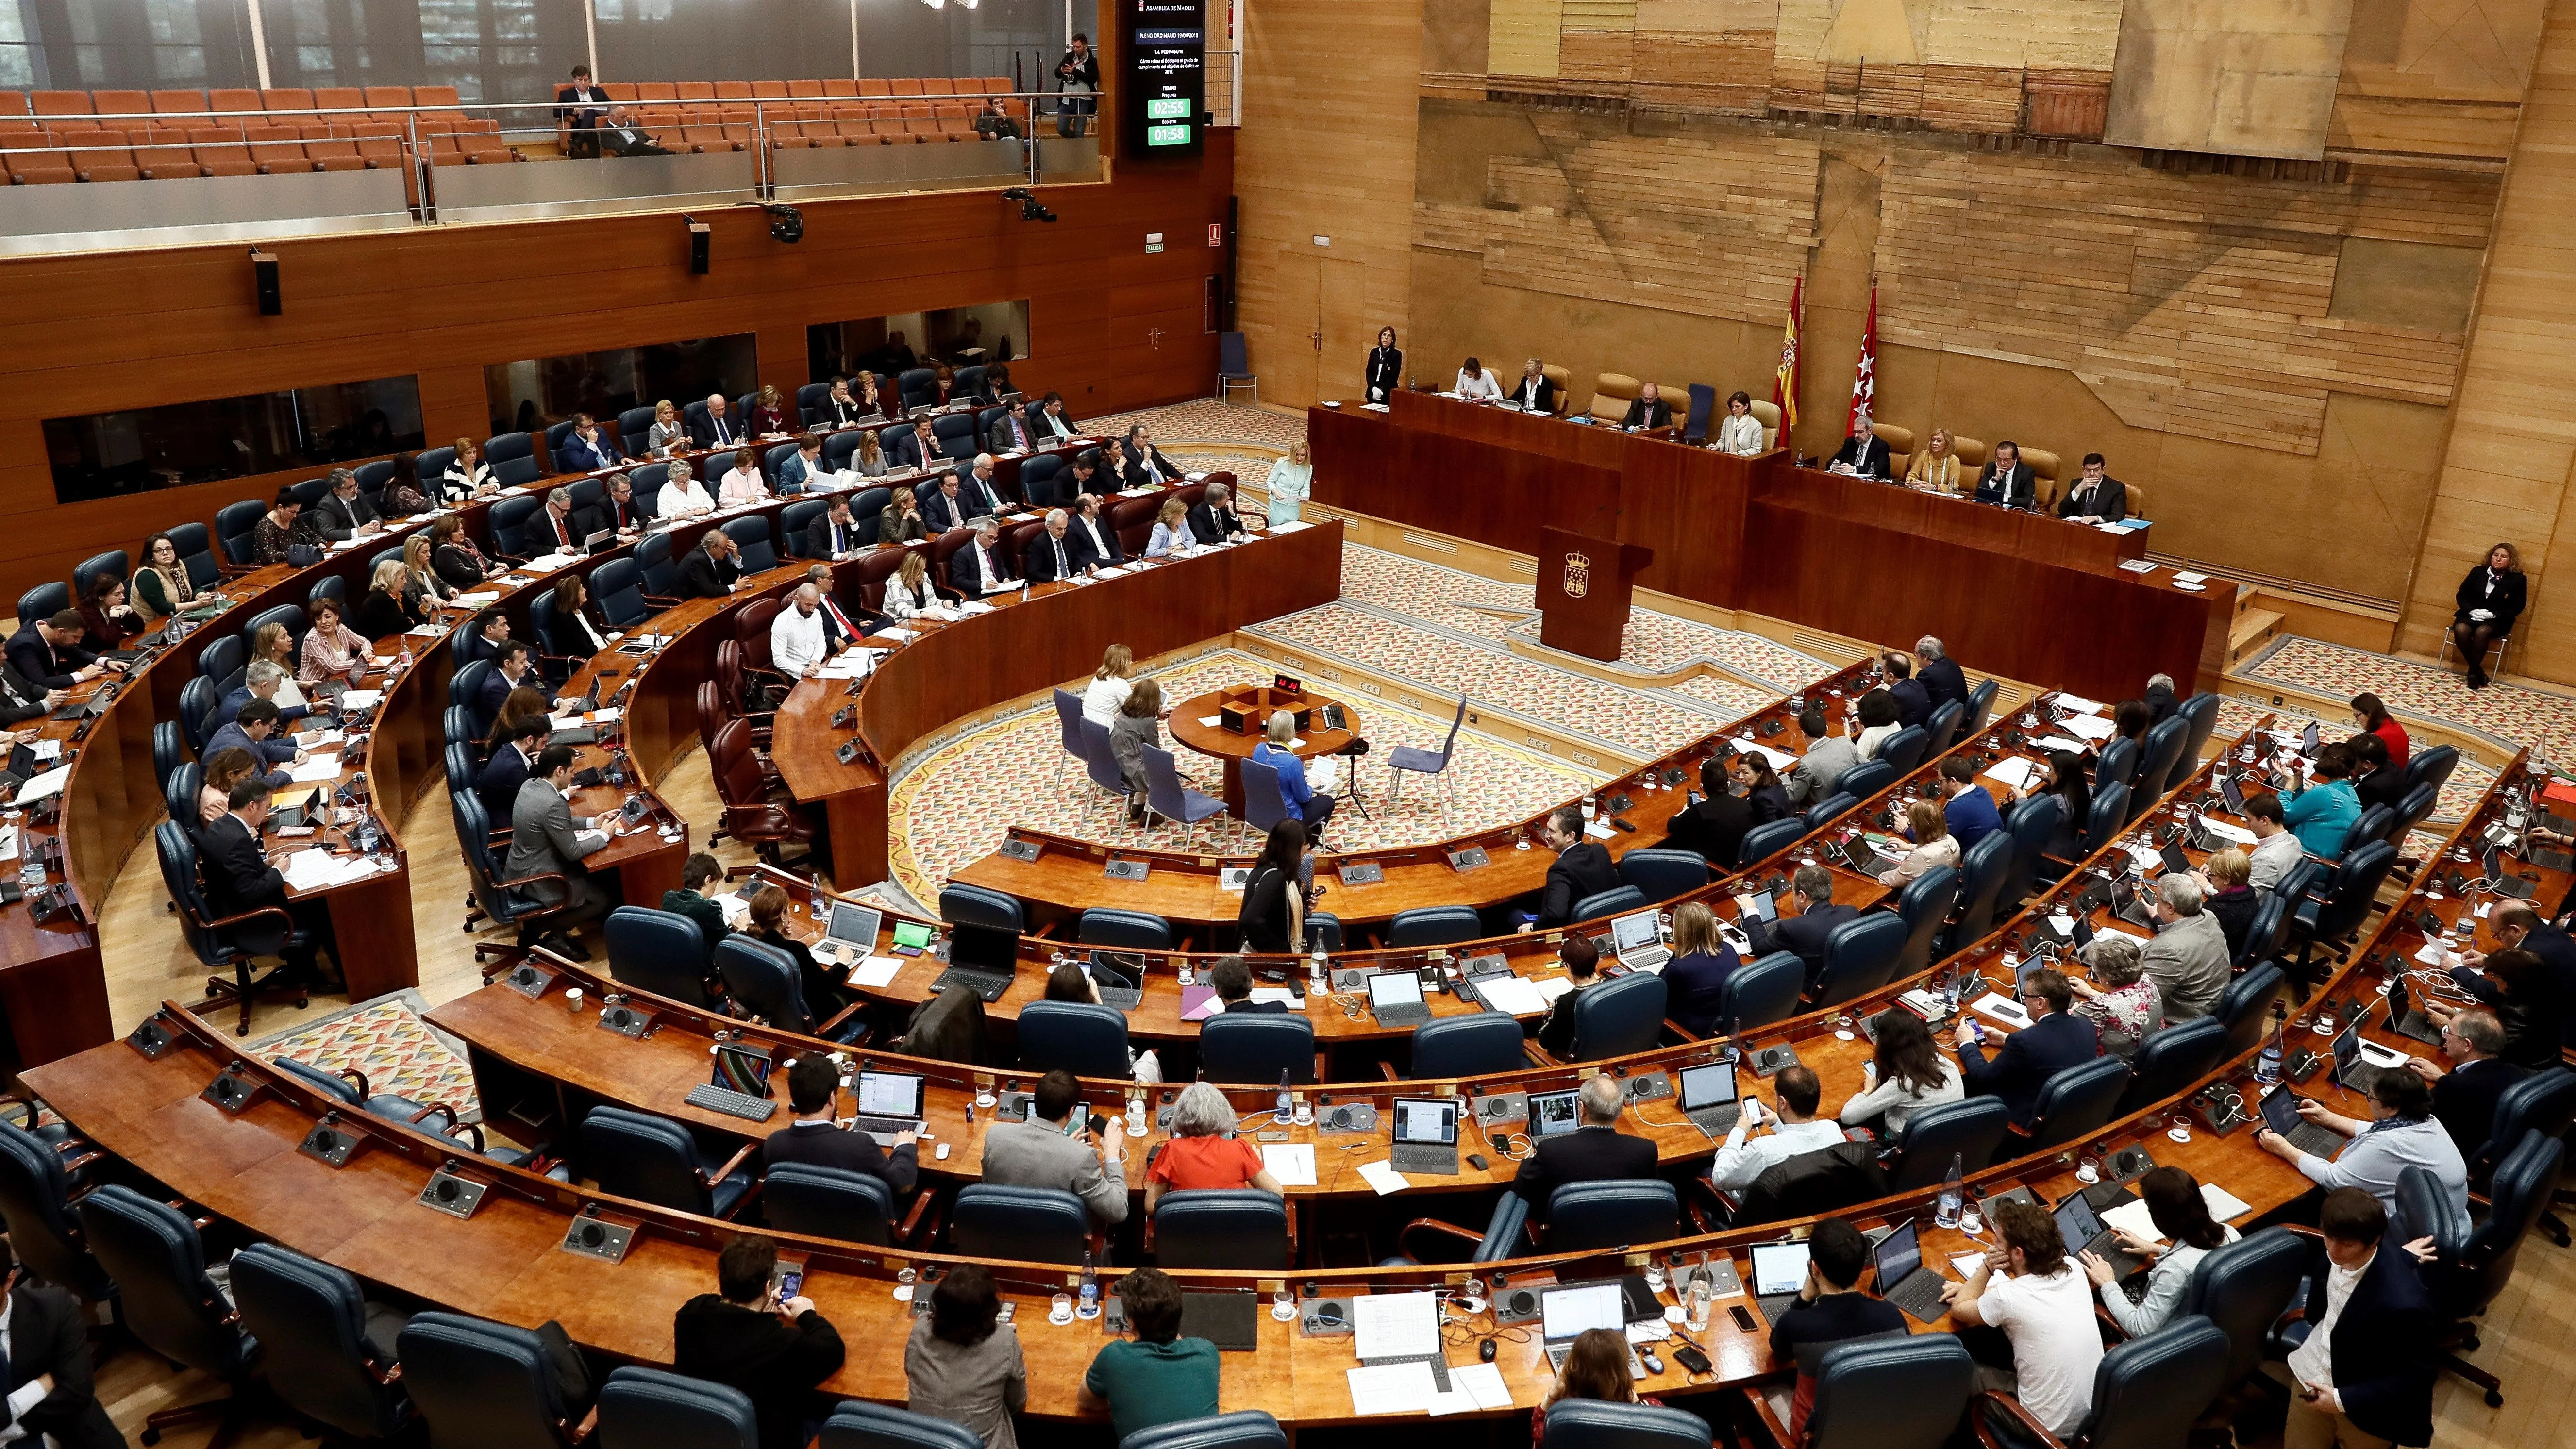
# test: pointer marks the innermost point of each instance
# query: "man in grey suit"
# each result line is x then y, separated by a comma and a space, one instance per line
1041, 1153
2188, 958
545, 840
1813, 776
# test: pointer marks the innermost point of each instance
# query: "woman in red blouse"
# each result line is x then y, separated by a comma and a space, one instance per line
1202, 1152
2372, 718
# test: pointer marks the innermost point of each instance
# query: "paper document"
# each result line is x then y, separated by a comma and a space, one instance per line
316, 770
1293, 1163
2132, 1218
736, 909
1280, 994
1517, 995
1383, 1177
2232, 834
1484, 1383
2190, 578
876, 971
1965, 1264
478, 599
1395, 1325
1396, 1388
977, 606
361, 699
2138, 566
425, 631
1112, 571
2012, 774
1292, 526
2079, 703
2002, 1008
1210, 721
2058, 742
2087, 727
8, 842
1780, 759
1600, 829
1551, 987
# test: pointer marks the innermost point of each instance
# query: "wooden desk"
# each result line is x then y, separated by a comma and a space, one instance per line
1232, 749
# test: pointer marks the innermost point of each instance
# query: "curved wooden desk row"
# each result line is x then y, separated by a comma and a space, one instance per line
505, 1263
1185, 887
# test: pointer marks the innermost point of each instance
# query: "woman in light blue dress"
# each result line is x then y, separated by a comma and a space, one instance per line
1171, 529
1291, 482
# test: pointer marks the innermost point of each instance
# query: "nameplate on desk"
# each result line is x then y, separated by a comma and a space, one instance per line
448, 1193
1126, 870
627, 1021
1469, 859
598, 1237
1367, 873
1021, 850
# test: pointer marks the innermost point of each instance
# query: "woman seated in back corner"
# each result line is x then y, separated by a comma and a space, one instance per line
2489, 600
1934, 465
769, 413
1741, 432
1475, 384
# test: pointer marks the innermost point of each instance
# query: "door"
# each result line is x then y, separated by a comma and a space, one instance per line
1324, 334
1299, 339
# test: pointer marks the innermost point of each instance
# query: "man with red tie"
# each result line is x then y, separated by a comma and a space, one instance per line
842, 624
555, 525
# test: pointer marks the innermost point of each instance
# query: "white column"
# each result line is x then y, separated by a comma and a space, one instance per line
258, 43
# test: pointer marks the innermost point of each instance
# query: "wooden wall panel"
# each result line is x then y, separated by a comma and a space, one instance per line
101, 332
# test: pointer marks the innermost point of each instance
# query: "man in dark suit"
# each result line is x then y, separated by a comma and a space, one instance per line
22, 699
239, 879
1534, 392
1812, 887
1943, 680
2008, 480
1913, 701
513, 667
2096, 497
948, 506
48, 652
1212, 519
1864, 453
545, 839
579, 105
343, 511
715, 426
503, 774
52, 1398
250, 733
1094, 543
1593, 1152
1582, 868
1010, 433
975, 483
2464, 1098
1232, 981
2159, 698
2364, 1373
1715, 826
491, 631
261, 679
843, 622
977, 569
832, 536
1049, 420
1083, 476
2053, 1042
914, 447
1146, 464
586, 449
813, 1087
619, 511
554, 527
713, 567
622, 137
1648, 410
1049, 556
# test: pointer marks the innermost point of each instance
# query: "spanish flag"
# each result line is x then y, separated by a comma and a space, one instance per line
1784, 385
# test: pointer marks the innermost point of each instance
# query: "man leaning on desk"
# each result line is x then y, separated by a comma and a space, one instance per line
1649, 410
1864, 454
2096, 497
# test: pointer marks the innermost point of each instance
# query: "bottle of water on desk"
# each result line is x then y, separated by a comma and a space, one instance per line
822, 903
31, 868
1696, 1312
2267, 1067
1946, 1215
1088, 1306
1287, 1109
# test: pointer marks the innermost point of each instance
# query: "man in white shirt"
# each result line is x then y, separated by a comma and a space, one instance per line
52, 1399
977, 569
981, 495
2372, 1385
2045, 1308
1794, 1131
796, 642
2276, 849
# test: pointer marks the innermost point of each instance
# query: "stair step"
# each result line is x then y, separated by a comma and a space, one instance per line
2249, 631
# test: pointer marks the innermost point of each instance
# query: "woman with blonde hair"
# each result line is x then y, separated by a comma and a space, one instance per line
390, 606
1138, 725
274, 644
901, 520
871, 396
1934, 845
869, 457
1291, 483
769, 412
1171, 529
1110, 685
2227, 892
1935, 465
1695, 978
909, 592
469, 476
668, 434
425, 588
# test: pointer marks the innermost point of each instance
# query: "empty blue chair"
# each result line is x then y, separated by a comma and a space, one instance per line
973, 905
1433, 926
1505, 1233
1764, 841
2173, 1060
2245, 1005
1099, 762
1832, 805
1081, 1037
828, 1202
483, 1385
35, 1205
1972, 1128
1942, 729
2202, 712
1245, 1229
1027, 1224
1924, 906
1981, 706
512, 535
1761, 992
2110, 815
1166, 796
1483, 1045
1703, 402
653, 1159
45, 600
617, 586
1407, 759
2244, 1287
759, 554
1138, 930
1904, 749
1866, 779
222, 658
1618, 1017
1038, 481
2431, 766
327, 1354
1618, 1213
659, 951
1616, 901
2032, 824
956, 435
1982, 873
1861, 956
1601, 1424
645, 1408
513, 459
2077, 1101
858, 1424
2159, 750
1660, 875
1068, 719
2350, 891
152, 1252
653, 556
234, 526
1255, 1047
1264, 803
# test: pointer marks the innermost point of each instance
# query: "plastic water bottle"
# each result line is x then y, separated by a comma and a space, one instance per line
822, 903
1947, 1214
1696, 1312
367, 836
1316, 966
31, 870
1287, 1110
1950, 992
402, 659
2267, 1067
1088, 1306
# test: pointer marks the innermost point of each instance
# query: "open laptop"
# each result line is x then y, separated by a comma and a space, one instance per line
1902, 1278
2229, 792
2126, 906
889, 1102
850, 934
983, 959
2405, 1020
1119, 978
1553, 1114
1395, 998
1566, 1314
1637, 944
1709, 1099
600, 542
2507, 883
1426, 1136
2360, 1065
312, 810
2082, 1229
2281, 1114
1861, 858
1779, 1272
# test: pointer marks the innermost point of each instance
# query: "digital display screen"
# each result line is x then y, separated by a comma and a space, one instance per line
1163, 76
1419, 1121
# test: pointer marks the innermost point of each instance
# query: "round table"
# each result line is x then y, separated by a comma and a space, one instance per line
1233, 749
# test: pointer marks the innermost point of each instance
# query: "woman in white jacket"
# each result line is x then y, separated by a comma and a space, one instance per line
1741, 432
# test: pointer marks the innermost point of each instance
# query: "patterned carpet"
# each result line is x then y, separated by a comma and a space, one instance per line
2508, 714
388, 1042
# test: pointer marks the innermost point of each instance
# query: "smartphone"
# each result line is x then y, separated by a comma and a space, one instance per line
1690, 1358
791, 1281
1743, 1319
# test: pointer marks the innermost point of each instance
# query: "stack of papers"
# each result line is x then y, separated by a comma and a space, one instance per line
2002, 1008
44, 786
1293, 1163
2078, 703
1550, 988
361, 698
1280, 994
2131, 1217
2088, 727
736, 909
1600, 829
1113, 571
1780, 759
1292, 526
1383, 1177
318, 869
2012, 774
1517, 995
316, 770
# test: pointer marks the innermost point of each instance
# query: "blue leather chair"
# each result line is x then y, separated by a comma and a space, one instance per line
1408, 759
501, 899
1029, 1224
2376, 823
2032, 824
1861, 956
2117, 764
1983, 872
2266, 933
2430, 767
222, 658
513, 459
482, 1385
2147, 1393
2542, 1102
2244, 1288
180, 787
151, 1252
1041, 483
1255, 1047
970, 905
957, 437
45, 600
858, 1424
1823, 811
197, 700
2245, 1006
1616, 901
1242, 1429
1081, 1037
1904, 750
1618, 1213
1100, 763
330, 586
1506, 1233
1866, 779
431, 467
645, 1408
1618, 1017
1483, 1045
2110, 816
35, 1205
2476, 1263
797, 517
1601, 1424
1761, 992
1433, 926
653, 1159
1660, 875
1924, 906
1166, 796
234, 525
2077, 1101
617, 586
2202, 711
227, 949
830, 1202
765, 981
169, 748
634, 425
510, 519
288, 614
1943, 727
2173, 1060
917, 386
1764, 841
653, 556
1981, 708
2349, 894
1264, 803
2159, 751
109, 565
1972, 1128
871, 502
2412, 811
328, 1356
1110, 926
1241, 1228
659, 951
1889, 1393
759, 553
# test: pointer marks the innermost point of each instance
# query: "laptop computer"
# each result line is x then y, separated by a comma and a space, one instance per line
1395, 998
2126, 905
1566, 1314
1863, 859
2507, 883
1902, 1278
2082, 1229
2231, 794
889, 1102
1709, 1099
600, 542
2405, 1020
1636, 943
1119, 978
2173, 858
738, 1085
1426, 1136
2354, 1067
2281, 1114
1553, 1114
983, 959
2311, 740
1779, 1271
850, 934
